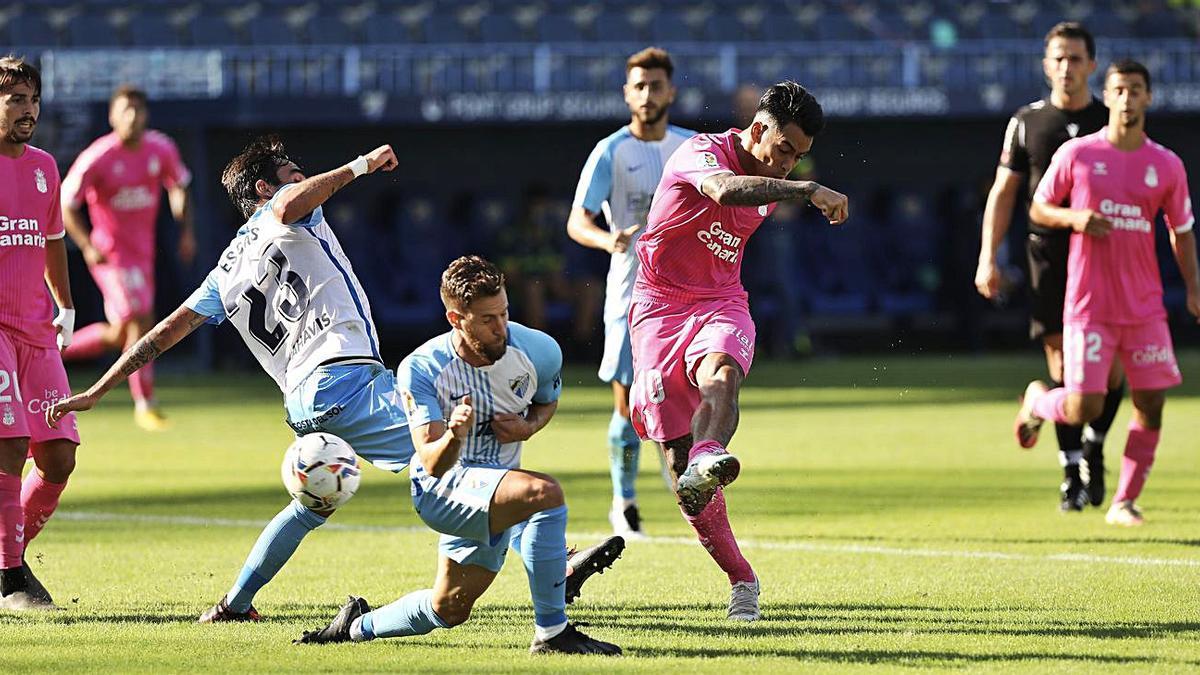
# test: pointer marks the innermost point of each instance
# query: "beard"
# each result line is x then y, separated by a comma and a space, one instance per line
653, 116
16, 135
493, 352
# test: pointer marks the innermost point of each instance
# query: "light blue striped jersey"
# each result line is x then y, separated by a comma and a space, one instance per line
619, 180
292, 295
434, 379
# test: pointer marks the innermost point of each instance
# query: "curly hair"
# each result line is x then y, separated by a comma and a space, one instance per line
259, 161
469, 278
15, 70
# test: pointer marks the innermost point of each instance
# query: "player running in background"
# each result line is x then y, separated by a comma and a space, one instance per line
619, 179
472, 396
1033, 134
691, 332
33, 255
1115, 182
120, 177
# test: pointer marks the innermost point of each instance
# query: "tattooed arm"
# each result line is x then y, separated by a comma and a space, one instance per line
312, 192
727, 189
162, 337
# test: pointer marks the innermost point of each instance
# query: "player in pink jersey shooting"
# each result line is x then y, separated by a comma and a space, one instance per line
120, 177
690, 326
1116, 181
32, 256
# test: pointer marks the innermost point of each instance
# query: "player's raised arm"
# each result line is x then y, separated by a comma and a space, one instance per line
310, 193
162, 337
582, 228
438, 443
728, 189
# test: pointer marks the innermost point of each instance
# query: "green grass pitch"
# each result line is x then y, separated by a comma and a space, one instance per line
883, 501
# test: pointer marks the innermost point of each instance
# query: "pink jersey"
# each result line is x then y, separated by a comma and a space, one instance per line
122, 188
1115, 279
29, 217
692, 248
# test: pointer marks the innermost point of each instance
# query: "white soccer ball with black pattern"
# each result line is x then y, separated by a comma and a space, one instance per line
321, 471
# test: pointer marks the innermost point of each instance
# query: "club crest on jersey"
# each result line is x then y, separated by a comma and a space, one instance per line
707, 160
1073, 129
9, 418
1099, 169
408, 402
39, 179
1151, 176
519, 385
153, 166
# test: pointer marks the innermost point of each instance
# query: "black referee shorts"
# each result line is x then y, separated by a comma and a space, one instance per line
1047, 282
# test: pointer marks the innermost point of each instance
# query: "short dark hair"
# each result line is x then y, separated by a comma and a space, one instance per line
1128, 67
130, 92
469, 278
259, 160
15, 70
790, 103
650, 58
1073, 30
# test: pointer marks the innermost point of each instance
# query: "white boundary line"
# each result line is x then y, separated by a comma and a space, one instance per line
768, 545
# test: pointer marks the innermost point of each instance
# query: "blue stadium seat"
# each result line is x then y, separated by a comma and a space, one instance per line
783, 27
269, 28
385, 28
500, 26
724, 27
151, 29
557, 26
445, 28
31, 28
838, 26
92, 29
212, 30
613, 25
328, 29
669, 26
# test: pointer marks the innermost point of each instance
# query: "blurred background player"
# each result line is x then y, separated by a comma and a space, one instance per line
33, 255
1116, 181
472, 396
1034, 133
120, 177
619, 179
690, 326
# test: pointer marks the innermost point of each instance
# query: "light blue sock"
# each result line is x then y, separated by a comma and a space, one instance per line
624, 448
544, 552
411, 615
275, 545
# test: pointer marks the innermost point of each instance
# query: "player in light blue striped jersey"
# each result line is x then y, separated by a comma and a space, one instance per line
472, 396
619, 180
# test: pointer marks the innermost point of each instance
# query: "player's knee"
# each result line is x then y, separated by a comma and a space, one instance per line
58, 469
453, 611
12, 455
546, 493
723, 382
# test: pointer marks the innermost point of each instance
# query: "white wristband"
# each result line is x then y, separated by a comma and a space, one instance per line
359, 166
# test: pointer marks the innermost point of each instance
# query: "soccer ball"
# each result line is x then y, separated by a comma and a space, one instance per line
321, 471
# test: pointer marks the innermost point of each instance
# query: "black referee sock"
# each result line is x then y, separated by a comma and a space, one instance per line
13, 580
1070, 440
1112, 401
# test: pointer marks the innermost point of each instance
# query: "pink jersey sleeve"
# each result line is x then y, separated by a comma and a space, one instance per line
175, 172
54, 228
699, 158
1177, 206
81, 178
1055, 186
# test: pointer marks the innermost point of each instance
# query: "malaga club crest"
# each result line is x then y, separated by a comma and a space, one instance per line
39, 179
519, 385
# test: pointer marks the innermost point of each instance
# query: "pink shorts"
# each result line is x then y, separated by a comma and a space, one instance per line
1145, 350
31, 379
669, 340
128, 290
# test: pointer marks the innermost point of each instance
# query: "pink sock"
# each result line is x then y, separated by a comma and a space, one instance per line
716, 536
141, 383
702, 447
12, 522
88, 342
39, 498
1135, 465
1052, 405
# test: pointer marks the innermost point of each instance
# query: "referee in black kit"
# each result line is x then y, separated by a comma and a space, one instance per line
1034, 133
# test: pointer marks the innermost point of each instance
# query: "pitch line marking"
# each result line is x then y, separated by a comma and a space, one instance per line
781, 545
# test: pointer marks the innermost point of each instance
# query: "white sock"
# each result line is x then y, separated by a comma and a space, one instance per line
356, 633
543, 633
